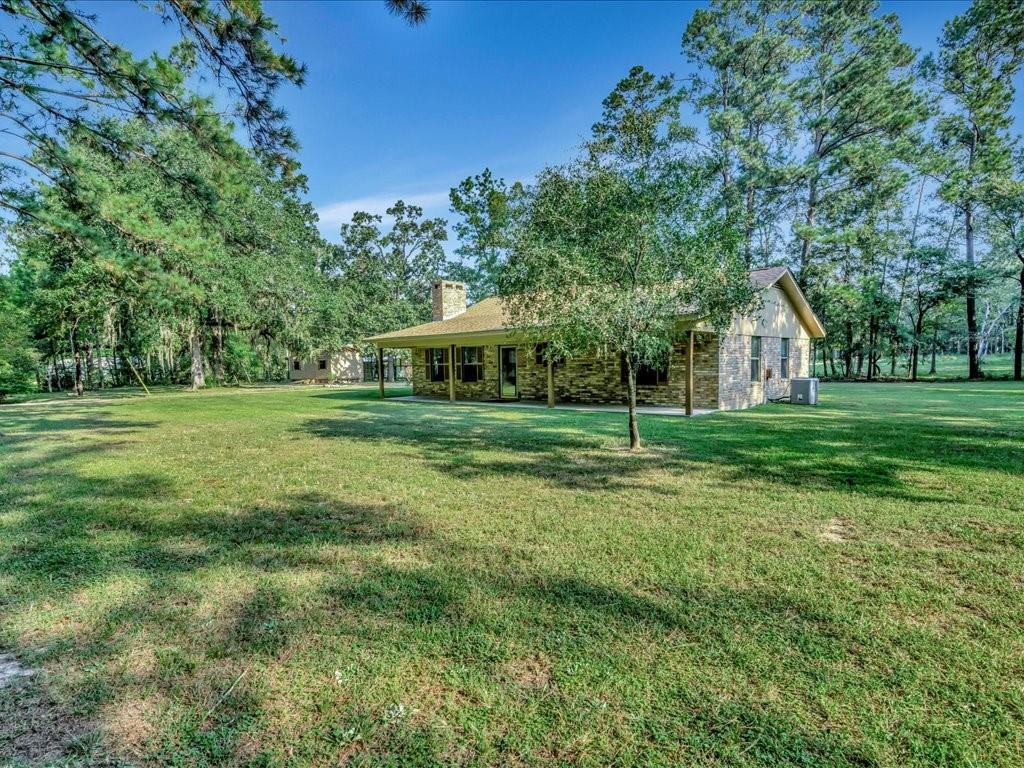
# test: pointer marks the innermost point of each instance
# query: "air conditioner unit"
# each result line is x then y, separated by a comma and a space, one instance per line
803, 391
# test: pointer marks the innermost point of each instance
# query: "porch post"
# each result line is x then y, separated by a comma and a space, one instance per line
551, 383
380, 371
689, 373
451, 374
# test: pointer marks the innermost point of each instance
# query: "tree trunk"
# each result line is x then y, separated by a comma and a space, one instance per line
974, 364
805, 245
935, 349
88, 365
1018, 338
196, 346
634, 430
79, 380
218, 354
915, 350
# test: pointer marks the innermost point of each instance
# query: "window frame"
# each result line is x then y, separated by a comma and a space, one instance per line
476, 366
322, 363
296, 364
784, 358
432, 364
646, 375
755, 358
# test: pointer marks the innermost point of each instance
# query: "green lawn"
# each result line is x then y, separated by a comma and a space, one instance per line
947, 367
308, 576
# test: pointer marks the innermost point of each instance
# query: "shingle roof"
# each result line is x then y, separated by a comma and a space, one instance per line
488, 316
483, 317
762, 278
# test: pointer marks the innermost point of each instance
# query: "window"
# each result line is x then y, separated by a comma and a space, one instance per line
297, 365
755, 358
437, 364
370, 368
323, 365
784, 359
540, 355
471, 364
646, 375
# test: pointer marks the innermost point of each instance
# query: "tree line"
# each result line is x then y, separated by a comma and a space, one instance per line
152, 245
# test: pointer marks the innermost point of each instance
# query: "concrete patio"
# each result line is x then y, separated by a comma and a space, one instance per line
646, 410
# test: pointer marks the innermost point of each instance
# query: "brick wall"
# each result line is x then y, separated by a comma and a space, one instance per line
736, 390
594, 378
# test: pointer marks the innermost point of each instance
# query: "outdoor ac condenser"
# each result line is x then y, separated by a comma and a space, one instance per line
803, 391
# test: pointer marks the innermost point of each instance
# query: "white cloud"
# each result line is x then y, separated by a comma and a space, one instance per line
333, 215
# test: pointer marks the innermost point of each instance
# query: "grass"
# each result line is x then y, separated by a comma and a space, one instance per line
311, 577
947, 367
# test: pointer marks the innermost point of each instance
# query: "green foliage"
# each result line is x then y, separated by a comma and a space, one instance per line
486, 207
381, 279
151, 254
613, 246
18, 362
745, 53
61, 75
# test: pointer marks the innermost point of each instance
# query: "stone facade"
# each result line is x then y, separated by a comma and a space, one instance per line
447, 300
595, 378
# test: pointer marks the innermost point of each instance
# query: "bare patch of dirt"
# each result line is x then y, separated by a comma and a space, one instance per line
34, 729
533, 672
838, 530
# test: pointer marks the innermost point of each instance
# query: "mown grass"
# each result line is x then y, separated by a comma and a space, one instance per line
313, 577
947, 367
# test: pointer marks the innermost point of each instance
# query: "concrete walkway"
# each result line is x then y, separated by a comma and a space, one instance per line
646, 410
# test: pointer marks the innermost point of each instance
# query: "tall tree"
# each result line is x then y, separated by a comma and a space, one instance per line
856, 91
225, 242
980, 52
484, 206
387, 274
613, 245
745, 52
1004, 199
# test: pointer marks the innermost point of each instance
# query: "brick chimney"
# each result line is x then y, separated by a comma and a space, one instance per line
447, 299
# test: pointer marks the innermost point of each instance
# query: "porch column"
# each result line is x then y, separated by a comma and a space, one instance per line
451, 374
380, 371
551, 383
689, 373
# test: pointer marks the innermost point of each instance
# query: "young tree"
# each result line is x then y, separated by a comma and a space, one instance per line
614, 246
484, 206
980, 53
934, 279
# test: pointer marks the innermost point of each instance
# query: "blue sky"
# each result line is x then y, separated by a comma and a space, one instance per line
390, 111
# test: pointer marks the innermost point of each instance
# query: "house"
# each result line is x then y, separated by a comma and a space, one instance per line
347, 366
343, 365
472, 353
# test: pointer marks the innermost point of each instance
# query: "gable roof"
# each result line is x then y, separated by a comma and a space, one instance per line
488, 317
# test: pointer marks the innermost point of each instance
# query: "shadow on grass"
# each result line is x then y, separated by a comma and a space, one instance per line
289, 573
819, 450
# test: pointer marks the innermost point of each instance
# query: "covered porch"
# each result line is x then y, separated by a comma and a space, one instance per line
646, 410
499, 368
